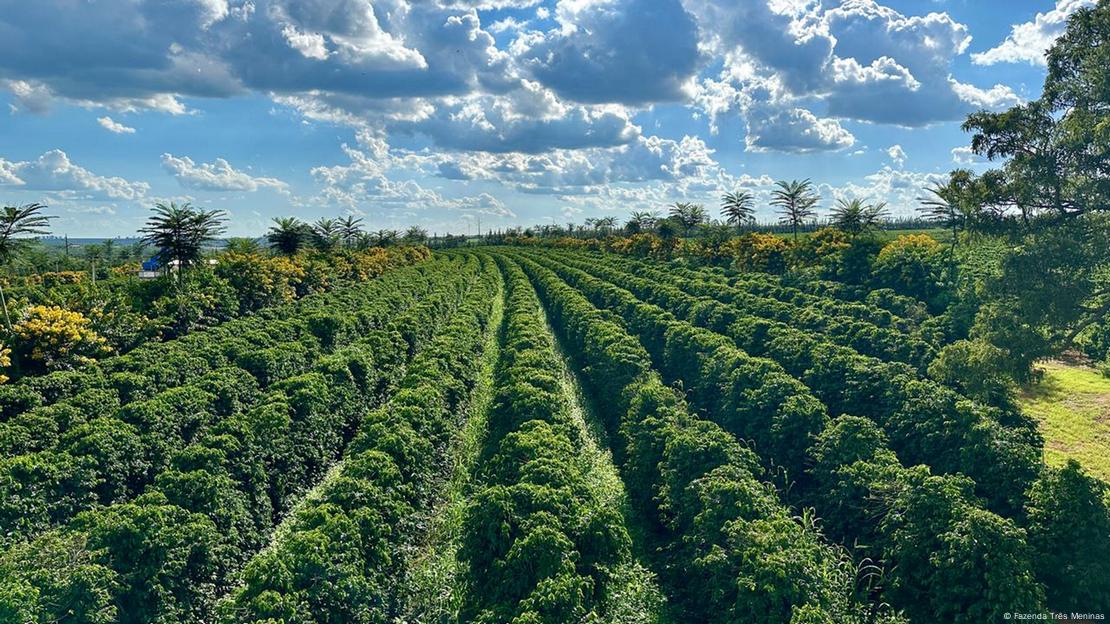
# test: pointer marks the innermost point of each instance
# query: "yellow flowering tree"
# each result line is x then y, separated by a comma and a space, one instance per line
755, 251
260, 281
53, 338
5, 361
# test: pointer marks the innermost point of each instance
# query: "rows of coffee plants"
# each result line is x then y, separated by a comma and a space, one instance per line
633, 441
727, 549
65, 320
335, 315
539, 542
926, 422
343, 552
168, 553
946, 557
880, 336
116, 432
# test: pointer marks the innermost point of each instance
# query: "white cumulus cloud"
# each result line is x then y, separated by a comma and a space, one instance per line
897, 154
1028, 41
55, 172
112, 125
216, 176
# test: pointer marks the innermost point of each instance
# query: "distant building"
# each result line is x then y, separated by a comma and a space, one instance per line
153, 268
150, 269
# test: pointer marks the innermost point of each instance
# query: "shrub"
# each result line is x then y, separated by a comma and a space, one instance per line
754, 251
912, 265
51, 338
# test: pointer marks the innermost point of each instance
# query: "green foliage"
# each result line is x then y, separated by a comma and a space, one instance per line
15, 224
738, 208
916, 415
217, 460
796, 201
342, 554
1049, 199
856, 217
288, 235
181, 232
716, 521
537, 545
1069, 530
975, 368
913, 266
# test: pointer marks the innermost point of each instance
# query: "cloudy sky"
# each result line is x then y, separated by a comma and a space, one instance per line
446, 112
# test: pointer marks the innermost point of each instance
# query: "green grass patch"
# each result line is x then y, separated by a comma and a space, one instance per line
1072, 405
431, 587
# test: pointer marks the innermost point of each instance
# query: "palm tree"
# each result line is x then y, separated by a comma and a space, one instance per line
350, 228
856, 217
385, 238
181, 232
667, 229
287, 235
688, 215
738, 208
16, 222
642, 220
241, 245
137, 251
796, 201
325, 234
109, 246
415, 235
605, 224
943, 205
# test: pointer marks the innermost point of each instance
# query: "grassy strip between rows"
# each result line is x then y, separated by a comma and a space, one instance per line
430, 587
1072, 406
543, 538
167, 555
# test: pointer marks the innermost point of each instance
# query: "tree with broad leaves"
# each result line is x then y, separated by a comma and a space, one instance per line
1049, 197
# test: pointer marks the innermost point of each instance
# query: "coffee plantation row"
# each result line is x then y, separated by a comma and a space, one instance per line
527, 435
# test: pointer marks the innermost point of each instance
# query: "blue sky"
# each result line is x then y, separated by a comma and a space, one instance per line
442, 113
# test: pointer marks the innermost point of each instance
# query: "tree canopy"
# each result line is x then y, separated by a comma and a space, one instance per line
180, 232
796, 201
1049, 197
